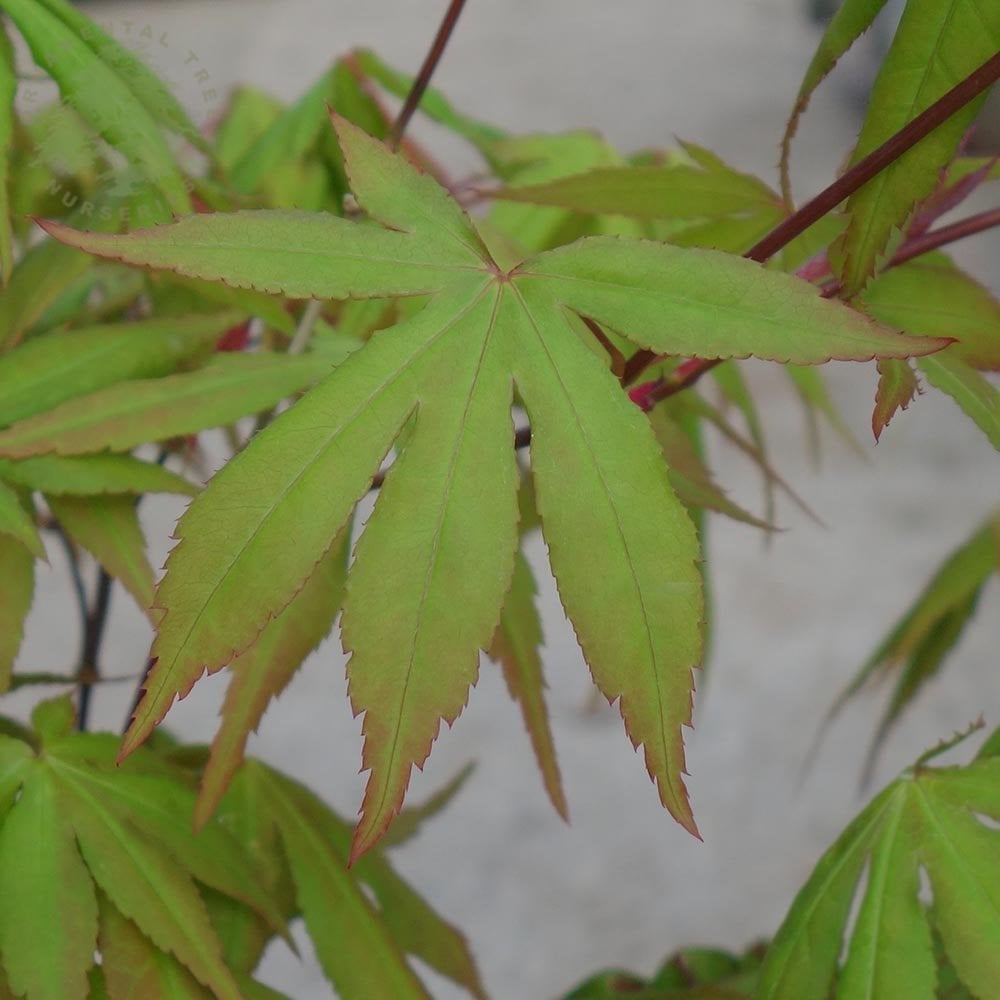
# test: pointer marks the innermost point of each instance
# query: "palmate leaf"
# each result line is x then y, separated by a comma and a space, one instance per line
124, 416
927, 821
435, 560
935, 47
80, 824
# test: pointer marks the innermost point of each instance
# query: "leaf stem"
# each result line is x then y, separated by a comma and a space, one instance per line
936, 238
423, 78
859, 175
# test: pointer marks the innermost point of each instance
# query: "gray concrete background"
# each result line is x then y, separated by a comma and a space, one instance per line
544, 904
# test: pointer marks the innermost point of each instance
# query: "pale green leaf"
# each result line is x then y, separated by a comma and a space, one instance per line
8, 89
16, 521
891, 956
17, 588
152, 93
933, 298
48, 921
851, 20
354, 947
411, 922
434, 562
108, 102
108, 528
92, 474
433, 103
40, 277
802, 960
51, 369
815, 396
135, 969
897, 386
935, 47
267, 667
146, 885
411, 819
124, 416
978, 397
516, 647
671, 192
161, 809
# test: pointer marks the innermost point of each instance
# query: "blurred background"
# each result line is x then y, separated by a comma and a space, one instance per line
543, 904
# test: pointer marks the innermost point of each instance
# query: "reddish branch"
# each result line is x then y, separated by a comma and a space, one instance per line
423, 79
859, 175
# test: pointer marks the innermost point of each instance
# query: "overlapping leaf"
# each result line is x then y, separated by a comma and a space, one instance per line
897, 386
17, 587
46, 371
978, 398
78, 825
113, 104
929, 821
92, 474
128, 414
16, 522
935, 47
8, 89
436, 558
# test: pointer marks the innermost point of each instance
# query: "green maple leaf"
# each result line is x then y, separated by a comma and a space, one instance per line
436, 559
929, 821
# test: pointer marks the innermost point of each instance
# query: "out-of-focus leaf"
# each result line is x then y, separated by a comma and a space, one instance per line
109, 102
673, 192
354, 948
689, 475
17, 588
145, 884
135, 969
267, 667
142, 83
8, 90
931, 297
246, 118
108, 528
92, 474
535, 159
433, 103
16, 522
851, 20
516, 647
412, 818
412, 924
49, 370
976, 396
816, 399
897, 385
124, 416
48, 921
935, 47
39, 278
952, 588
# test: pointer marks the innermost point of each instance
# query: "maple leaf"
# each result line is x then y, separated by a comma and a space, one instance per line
436, 558
929, 822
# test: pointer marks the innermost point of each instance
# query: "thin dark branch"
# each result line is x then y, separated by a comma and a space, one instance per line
88, 669
73, 561
859, 175
423, 78
886, 154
